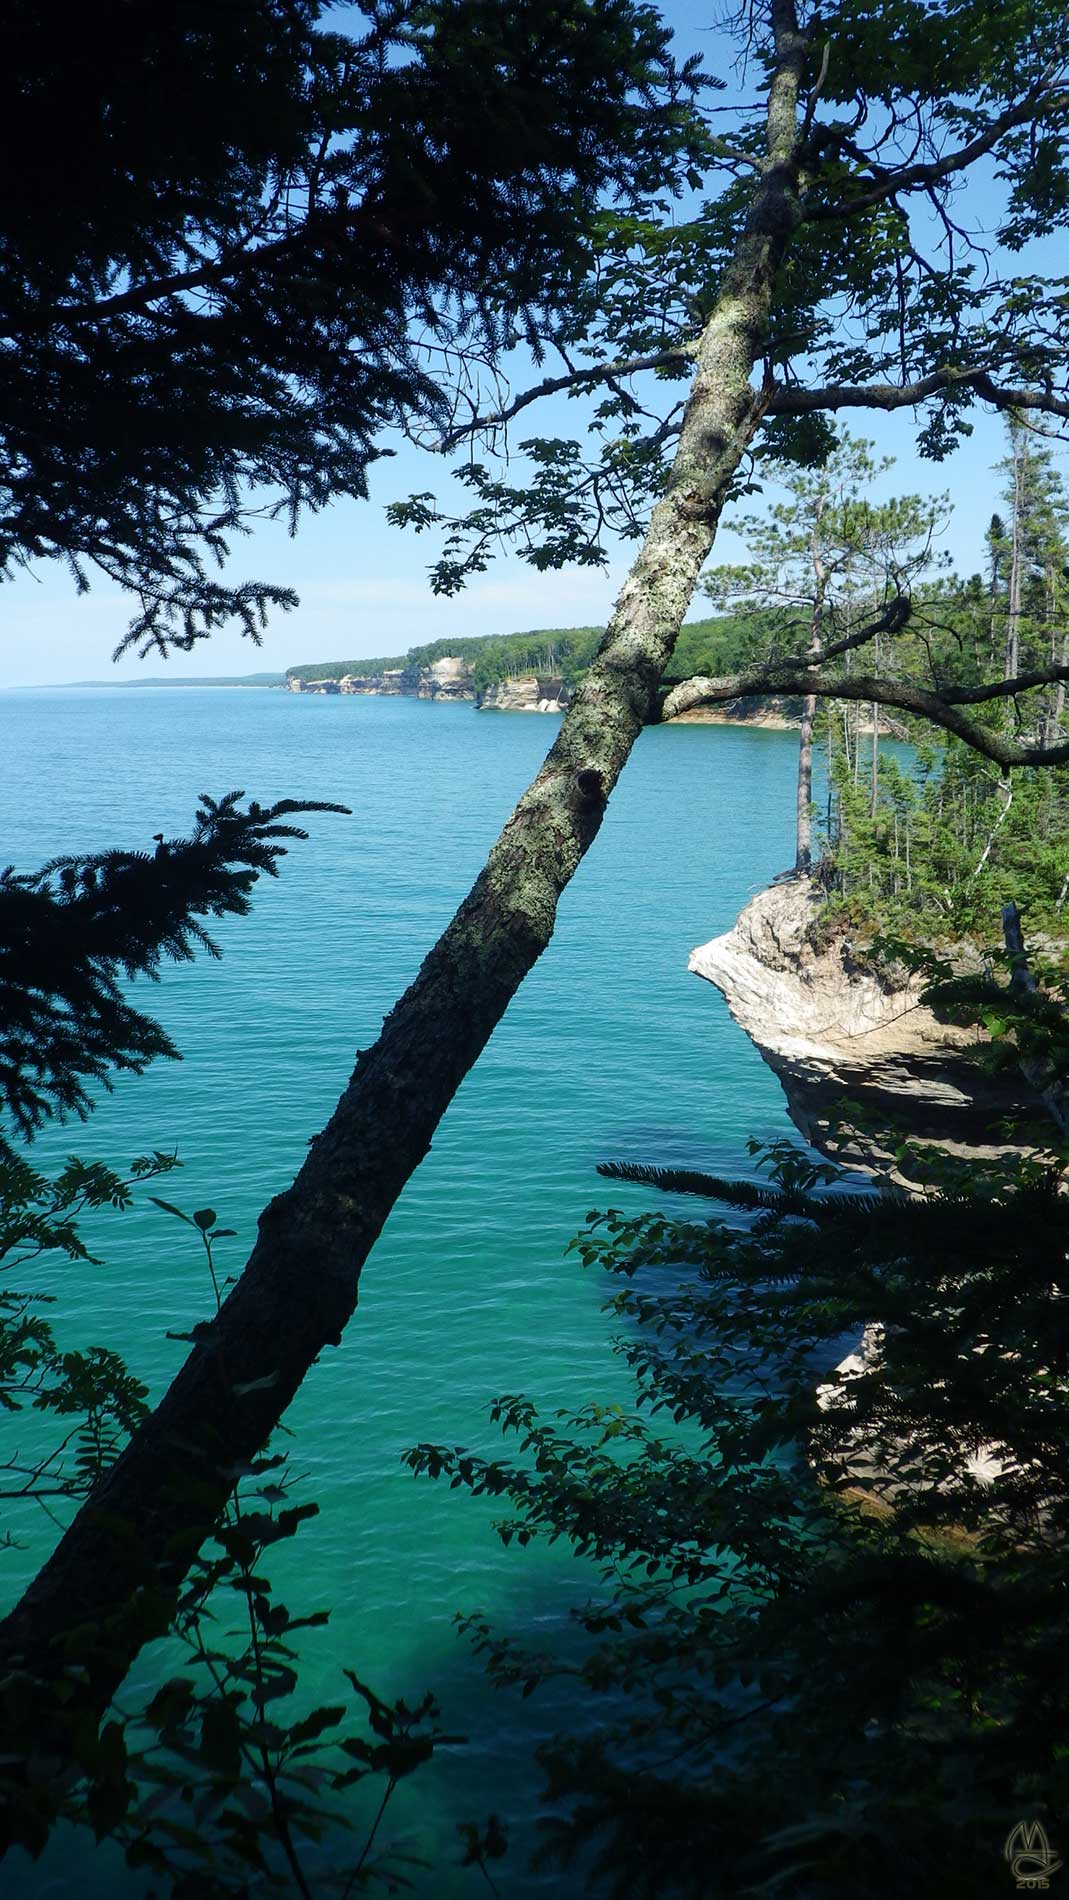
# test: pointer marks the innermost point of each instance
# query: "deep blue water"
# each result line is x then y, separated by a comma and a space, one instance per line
610, 1050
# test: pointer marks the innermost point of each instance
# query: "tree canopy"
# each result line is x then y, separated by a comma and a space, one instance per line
243, 245
920, 197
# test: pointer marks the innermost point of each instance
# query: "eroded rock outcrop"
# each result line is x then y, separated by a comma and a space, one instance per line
294, 684
448, 678
527, 694
389, 683
836, 1032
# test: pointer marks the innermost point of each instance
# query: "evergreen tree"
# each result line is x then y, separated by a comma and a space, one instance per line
941, 846
831, 563
228, 222
70, 932
1029, 556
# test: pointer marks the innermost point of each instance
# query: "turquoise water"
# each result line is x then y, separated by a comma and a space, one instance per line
610, 1050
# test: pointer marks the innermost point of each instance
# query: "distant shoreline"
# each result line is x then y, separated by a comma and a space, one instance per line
256, 685
767, 718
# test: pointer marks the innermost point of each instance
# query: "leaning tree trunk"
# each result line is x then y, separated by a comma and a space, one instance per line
111, 1582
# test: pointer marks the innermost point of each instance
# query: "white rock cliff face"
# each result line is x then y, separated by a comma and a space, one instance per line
449, 678
526, 694
834, 1033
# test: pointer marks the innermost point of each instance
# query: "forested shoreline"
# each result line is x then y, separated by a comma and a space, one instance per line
715, 644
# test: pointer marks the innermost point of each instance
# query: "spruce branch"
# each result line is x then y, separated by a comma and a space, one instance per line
71, 930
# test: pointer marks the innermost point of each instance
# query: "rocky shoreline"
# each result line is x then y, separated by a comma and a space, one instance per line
857, 1054
774, 715
449, 679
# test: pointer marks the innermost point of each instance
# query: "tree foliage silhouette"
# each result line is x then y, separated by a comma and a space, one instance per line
70, 932
243, 245
825, 1640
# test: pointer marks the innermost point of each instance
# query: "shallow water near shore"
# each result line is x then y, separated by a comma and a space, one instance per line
611, 1050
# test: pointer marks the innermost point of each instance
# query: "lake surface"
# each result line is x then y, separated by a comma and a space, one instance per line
610, 1050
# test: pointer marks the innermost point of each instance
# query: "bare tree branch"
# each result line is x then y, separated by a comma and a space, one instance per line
574, 379
782, 400
891, 620
785, 401
1005, 688
1037, 102
940, 708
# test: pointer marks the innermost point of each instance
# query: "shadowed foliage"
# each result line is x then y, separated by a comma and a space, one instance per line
70, 932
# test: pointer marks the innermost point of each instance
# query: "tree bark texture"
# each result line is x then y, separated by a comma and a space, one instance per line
110, 1583
943, 709
1013, 608
803, 824
1022, 982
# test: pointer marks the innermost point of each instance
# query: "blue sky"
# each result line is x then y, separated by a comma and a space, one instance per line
362, 584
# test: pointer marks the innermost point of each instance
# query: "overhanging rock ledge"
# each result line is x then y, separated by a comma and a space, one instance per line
853, 1048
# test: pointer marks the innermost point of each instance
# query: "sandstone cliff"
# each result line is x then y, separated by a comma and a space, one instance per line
526, 694
394, 681
296, 685
834, 1032
449, 678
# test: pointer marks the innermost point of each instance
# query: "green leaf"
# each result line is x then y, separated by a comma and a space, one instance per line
170, 1706
220, 1738
168, 1209
315, 1724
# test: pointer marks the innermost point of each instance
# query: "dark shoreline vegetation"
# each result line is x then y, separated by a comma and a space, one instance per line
829, 1596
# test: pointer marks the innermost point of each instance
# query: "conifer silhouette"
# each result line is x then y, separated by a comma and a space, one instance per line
72, 931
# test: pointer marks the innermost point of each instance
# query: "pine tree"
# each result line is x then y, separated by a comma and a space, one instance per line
825, 1644
72, 931
831, 563
228, 225
1030, 558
